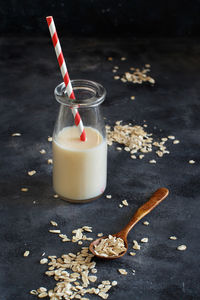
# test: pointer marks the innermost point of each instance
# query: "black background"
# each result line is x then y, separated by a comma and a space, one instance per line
164, 34
103, 17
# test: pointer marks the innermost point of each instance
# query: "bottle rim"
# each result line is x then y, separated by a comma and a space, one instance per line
87, 93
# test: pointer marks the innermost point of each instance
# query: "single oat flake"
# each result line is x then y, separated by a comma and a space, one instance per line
31, 173
26, 253
144, 240
122, 271
176, 142
146, 223
136, 246
50, 161
16, 134
125, 202
42, 151
191, 161
153, 161
54, 230
182, 247
173, 238
24, 189
108, 196
43, 261
53, 223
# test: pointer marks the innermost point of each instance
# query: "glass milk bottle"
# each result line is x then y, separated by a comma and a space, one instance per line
80, 168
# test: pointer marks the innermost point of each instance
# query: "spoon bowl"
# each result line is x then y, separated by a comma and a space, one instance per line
155, 199
97, 241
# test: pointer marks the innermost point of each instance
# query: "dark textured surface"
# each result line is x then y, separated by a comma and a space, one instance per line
94, 17
29, 74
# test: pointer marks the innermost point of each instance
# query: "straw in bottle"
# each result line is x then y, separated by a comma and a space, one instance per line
65, 75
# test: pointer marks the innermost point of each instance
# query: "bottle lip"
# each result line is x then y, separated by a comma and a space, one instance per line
88, 94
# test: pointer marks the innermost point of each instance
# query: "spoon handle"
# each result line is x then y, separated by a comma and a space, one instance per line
155, 199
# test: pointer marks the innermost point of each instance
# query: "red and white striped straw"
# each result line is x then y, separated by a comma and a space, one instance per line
65, 75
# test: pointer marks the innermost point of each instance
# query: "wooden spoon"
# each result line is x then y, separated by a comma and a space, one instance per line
155, 199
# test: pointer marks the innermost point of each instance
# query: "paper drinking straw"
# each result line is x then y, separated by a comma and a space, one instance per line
65, 75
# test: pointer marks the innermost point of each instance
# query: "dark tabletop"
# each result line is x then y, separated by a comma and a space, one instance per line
29, 74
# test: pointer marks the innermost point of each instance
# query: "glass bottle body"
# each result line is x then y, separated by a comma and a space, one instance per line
80, 168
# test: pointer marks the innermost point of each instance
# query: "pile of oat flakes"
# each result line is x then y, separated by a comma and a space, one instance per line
73, 272
136, 140
111, 246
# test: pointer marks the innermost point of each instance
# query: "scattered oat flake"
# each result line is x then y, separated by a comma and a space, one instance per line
171, 137
146, 223
16, 134
53, 223
103, 295
116, 77
114, 283
176, 142
50, 139
31, 173
132, 253
108, 196
33, 292
122, 271
153, 161
26, 253
55, 196
173, 237
100, 234
191, 161
43, 261
119, 148
92, 278
125, 202
114, 71
54, 231
136, 246
123, 58
24, 189
182, 247
94, 271
50, 161
41, 289
120, 205
43, 295
144, 240
42, 151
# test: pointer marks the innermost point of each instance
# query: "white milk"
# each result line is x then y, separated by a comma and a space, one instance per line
79, 168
